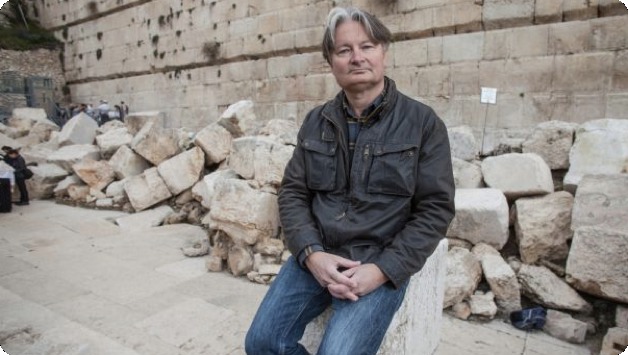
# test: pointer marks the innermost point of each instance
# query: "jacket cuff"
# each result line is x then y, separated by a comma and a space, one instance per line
307, 251
388, 264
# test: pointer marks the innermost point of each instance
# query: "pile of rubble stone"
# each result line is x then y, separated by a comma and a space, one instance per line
543, 223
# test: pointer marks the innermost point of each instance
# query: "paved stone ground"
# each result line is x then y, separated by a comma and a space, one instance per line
71, 282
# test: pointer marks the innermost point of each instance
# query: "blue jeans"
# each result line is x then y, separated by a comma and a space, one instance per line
295, 298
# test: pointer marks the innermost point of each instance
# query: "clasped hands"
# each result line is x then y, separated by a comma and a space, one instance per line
354, 281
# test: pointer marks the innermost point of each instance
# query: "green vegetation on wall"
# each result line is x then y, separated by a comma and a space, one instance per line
21, 32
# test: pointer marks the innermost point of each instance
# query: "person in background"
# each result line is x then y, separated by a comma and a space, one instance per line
103, 112
14, 159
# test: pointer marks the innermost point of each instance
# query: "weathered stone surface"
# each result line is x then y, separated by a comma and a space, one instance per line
463, 144
42, 131
467, 175
156, 144
242, 158
214, 263
518, 175
564, 327
80, 129
69, 155
615, 340
183, 170
272, 247
239, 119
39, 153
96, 174
145, 219
483, 304
419, 313
23, 119
215, 141
598, 263
501, 13
126, 163
602, 201
61, 189
104, 202
481, 217
269, 269
543, 226
112, 140
204, 190
78, 192
136, 120
8, 141
621, 316
551, 141
601, 147
500, 276
240, 260
461, 310
284, 131
115, 189
245, 214
146, 189
260, 158
110, 126
542, 286
45, 179
463, 275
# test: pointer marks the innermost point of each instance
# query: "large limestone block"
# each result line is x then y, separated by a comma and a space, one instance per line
563, 326
602, 201
462, 142
204, 190
239, 119
69, 155
156, 144
464, 273
601, 147
136, 120
500, 277
61, 189
183, 170
284, 131
416, 327
42, 131
245, 214
240, 260
96, 174
260, 158
481, 217
598, 263
145, 219
110, 141
518, 174
467, 175
146, 190
542, 286
551, 141
215, 141
80, 129
507, 13
126, 163
23, 119
39, 153
8, 141
615, 340
242, 158
483, 304
45, 179
543, 226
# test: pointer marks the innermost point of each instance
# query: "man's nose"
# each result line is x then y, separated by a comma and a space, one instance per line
357, 55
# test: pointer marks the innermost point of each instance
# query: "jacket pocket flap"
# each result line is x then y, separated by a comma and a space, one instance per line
393, 148
322, 147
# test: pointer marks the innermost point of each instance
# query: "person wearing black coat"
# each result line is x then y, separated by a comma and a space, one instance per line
14, 159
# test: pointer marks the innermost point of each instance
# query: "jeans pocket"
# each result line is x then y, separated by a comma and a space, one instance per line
321, 164
393, 169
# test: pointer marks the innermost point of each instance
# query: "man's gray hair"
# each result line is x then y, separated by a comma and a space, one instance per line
375, 29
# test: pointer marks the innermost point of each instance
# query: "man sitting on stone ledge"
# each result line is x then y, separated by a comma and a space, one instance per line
365, 200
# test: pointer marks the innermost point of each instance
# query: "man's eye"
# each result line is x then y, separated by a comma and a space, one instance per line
343, 51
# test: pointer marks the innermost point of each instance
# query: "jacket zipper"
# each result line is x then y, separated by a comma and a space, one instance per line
365, 159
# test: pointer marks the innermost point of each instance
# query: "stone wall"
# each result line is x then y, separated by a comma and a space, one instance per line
41, 62
549, 59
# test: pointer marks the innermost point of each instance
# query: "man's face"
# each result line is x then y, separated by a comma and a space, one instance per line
356, 62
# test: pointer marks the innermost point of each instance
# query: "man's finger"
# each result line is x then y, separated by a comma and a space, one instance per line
342, 292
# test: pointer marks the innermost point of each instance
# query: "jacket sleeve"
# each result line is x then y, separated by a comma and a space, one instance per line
432, 207
295, 199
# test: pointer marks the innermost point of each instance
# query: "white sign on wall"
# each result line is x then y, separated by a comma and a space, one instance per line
488, 96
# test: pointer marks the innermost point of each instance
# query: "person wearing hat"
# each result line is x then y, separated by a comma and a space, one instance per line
14, 159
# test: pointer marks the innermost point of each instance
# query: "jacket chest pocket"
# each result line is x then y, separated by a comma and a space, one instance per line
320, 164
393, 169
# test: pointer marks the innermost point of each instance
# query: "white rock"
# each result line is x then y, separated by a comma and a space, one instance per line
500, 277
240, 260
271, 247
239, 119
146, 189
542, 286
145, 219
104, 202
598, 263
61, 189
601, 147
203, 191
215, 141
284, 131
183, 170
39, 153
543, 226
621, 316
270, 161
126, 163
136, 120
69, 155
269, 269
245, 214
80, 129
156, 144
462, 142
8, 141
42, 131
78, 192
96, 174
45, 179
115, 189
552, 141
463, 276
481, 217
112, 140
562, 326
601, 201
23, 118
614, 341
518, 175
483, 304
467, 175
